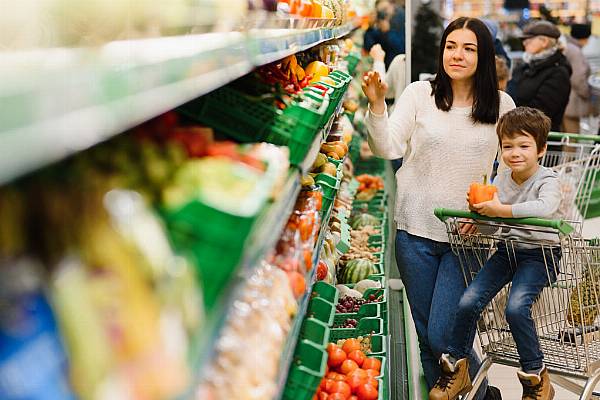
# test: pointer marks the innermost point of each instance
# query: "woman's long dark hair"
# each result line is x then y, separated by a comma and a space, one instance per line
486, 99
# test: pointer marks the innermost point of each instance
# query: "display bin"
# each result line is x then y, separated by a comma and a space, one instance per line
326, 292
233, 113
353, 59
322, 310
375, 277
215, 240
315, 331
378, 345
365, 327
339, 89
306, 371
369, 310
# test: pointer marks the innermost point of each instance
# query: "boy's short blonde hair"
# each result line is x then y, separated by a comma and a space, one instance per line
525, 120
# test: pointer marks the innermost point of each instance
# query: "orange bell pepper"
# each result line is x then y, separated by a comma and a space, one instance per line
479, 193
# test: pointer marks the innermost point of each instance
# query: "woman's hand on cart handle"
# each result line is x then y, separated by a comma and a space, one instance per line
375, 89
493, 208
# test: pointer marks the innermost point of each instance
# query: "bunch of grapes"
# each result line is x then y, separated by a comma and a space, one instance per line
349, 304
348, 323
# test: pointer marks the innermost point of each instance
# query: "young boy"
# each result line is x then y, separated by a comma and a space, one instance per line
525, 189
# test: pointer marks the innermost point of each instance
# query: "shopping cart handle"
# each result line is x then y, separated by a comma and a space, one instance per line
444, 213
574, 136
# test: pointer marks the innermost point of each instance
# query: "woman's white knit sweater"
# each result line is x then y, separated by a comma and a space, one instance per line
443, 153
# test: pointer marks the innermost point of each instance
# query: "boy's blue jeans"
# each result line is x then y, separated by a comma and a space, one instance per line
526, 268
434, 283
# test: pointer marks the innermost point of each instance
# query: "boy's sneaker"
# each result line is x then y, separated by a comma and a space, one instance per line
454, 381
493, 393
536, 387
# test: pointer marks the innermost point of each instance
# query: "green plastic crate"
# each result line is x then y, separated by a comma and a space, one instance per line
214, 239
306, 371
233, 113
369, 310
315, 331
365, 327
325, 291
322, 310
353, 59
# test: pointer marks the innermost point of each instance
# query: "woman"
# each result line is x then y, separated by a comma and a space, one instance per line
542, 81
445, 130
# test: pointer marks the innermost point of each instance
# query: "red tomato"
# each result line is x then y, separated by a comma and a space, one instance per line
373, 382
352, 398
342, 388
372, 363
371, 373
326, 384
323, 396
337, 396
357, 356
348, 366
360, 373
336, 357
354, 381
350, 345
367, 392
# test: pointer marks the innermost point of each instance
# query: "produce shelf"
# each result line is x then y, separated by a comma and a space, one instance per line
56, 102
261, 240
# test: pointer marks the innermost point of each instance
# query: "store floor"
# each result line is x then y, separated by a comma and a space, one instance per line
505, 379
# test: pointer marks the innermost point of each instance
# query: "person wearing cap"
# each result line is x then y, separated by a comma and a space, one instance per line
542, 81
579, 99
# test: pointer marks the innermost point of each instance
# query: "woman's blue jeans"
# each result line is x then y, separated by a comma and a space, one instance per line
526, 268
434, 283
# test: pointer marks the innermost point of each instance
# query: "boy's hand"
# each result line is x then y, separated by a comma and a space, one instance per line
493, 208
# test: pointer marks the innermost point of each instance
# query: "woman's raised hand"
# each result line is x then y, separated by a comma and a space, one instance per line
375, 89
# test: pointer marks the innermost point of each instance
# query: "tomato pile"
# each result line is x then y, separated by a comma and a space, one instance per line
351, 375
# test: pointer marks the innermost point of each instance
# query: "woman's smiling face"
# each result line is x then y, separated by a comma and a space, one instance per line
460, 54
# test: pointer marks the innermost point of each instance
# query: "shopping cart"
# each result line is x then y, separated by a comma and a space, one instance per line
566, 312
576, 159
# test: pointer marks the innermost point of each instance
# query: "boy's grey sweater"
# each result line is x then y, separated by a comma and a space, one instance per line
539, 196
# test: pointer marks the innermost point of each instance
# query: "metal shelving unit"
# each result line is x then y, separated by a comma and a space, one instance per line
56, 102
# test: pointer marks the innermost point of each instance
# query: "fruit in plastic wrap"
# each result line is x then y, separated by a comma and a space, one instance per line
257, 328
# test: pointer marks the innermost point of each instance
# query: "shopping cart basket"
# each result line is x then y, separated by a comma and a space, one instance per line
566, 314
576, 159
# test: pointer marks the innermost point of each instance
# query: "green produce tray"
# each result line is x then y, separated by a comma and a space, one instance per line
378, 345
233, 113
306, 371
315, 331
322, 310
365, 327
214, 239
370, 310
353, 59
326, 292
593, 210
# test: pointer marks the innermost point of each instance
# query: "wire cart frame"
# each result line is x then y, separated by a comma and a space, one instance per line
566, 313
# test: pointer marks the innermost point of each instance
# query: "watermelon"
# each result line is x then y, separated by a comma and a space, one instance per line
356, 270
364, 219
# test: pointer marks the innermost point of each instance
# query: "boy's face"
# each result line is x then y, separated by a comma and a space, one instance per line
520, 153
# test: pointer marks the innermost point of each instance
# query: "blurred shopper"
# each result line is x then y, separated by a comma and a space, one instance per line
579, 100
502, 73
498, 46
388, 31
542, 81
445, 130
